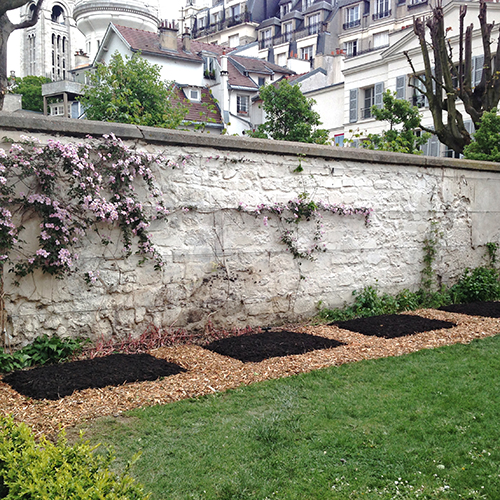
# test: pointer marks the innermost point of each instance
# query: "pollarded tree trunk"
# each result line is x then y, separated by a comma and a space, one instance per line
447, 81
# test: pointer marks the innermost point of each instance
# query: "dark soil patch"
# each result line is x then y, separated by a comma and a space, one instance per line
259, 346
390, 326
57, 381
485, 309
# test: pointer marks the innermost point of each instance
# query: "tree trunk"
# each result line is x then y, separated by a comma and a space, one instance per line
6, 28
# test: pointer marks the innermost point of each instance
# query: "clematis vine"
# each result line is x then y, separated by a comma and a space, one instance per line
73, 189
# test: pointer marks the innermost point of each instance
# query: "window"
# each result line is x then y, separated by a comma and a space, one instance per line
431, 147
413, 3
57, 15
477, 70
234, 40
306, 53
380, 40
419, 99
194, 95
353, 105
281, 59
209, 67
381, 9
262, 81
267, 36
201, 23
32, 54
287, 32
401, 87
351, 48
59, 52
285, 9
339, 140
313, 23
372, 97
352, 18
235, 12
242, 104
306, 4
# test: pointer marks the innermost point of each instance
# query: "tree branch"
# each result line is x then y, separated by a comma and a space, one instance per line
34, 19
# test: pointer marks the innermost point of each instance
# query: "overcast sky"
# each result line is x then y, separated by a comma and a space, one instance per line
169, 9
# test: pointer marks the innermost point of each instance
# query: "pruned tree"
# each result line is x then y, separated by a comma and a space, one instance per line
445, 82
6, 29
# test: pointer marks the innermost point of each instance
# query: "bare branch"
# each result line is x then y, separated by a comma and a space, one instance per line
34, 18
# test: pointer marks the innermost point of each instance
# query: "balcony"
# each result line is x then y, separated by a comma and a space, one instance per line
351, 24
289, 36
221, 25
416, 3
381, 15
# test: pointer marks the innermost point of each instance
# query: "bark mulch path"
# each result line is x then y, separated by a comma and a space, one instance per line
192, 370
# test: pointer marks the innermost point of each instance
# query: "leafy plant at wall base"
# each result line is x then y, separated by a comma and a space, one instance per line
42, 469
42, 350
429, 257
479, 284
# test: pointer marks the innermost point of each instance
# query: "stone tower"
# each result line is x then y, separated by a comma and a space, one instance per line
67, 27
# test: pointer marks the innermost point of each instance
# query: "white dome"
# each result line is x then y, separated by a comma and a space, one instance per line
94, 16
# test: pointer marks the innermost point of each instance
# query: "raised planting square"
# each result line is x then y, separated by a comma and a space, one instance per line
255, 347
390, 326
484, 309
56, 381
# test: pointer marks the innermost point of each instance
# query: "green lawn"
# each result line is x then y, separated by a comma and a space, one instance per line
425, 425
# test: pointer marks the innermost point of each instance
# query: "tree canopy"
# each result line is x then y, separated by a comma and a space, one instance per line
6, 28
404, 121
289, 114
446, 82
130, 90
30, 87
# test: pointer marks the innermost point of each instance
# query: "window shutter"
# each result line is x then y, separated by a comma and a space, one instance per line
379, 94
434, 146
400, 87
477, 70
353, 105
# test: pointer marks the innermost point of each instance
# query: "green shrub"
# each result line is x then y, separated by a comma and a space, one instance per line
43, 350
45, 470
479, 285
485, 145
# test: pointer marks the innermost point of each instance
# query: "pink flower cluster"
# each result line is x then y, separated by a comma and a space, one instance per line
74, 189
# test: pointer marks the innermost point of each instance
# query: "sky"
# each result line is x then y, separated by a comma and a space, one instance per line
169, 9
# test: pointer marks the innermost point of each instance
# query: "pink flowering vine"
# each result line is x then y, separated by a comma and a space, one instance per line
73, 189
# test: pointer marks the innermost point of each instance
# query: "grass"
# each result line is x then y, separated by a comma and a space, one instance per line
417, 426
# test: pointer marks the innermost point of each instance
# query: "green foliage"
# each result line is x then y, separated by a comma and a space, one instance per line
485, 145
30, 87
130, 91
289, 114
45, 470
492, 248
43, 350
403, 120
479, 284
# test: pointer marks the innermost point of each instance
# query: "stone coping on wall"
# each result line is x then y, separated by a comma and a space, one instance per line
80, 128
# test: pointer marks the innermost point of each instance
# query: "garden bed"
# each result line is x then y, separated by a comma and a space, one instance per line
205, 371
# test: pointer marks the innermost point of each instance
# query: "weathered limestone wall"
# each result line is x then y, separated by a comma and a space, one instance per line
227, 266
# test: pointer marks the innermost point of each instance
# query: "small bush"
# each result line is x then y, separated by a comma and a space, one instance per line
43, 350
478, 285
38, 470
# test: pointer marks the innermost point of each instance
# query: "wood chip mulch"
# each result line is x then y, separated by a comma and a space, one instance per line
209, 372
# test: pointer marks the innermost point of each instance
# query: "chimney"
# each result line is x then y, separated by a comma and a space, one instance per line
186, 41
168, 36
224, 80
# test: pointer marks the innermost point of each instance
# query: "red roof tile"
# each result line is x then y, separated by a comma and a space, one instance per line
204, 111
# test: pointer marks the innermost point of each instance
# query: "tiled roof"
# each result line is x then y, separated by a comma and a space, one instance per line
204, 111
149, 42
238, 79
255, 65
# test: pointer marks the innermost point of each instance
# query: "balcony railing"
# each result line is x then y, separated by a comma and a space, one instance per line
246, 17
366, 51
351, 24
381, 15
289, 36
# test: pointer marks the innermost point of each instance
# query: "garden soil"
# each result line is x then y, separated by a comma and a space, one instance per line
64, 395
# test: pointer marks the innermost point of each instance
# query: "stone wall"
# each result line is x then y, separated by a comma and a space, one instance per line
228, 267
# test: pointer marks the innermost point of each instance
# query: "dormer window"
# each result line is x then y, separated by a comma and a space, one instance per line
285, 9
313, 23
307, 4
193, 94
352, 18
266, 38
287, 32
